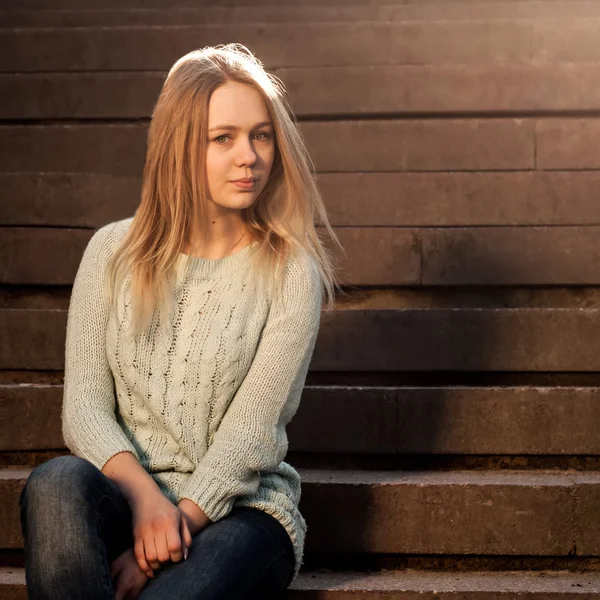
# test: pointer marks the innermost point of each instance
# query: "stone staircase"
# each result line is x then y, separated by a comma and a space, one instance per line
448, 436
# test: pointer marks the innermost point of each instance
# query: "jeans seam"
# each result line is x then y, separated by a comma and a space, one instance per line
273, 560
115, 504
102, 546
281, 554
270, 530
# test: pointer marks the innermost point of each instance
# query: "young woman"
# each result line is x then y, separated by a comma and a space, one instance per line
190, 330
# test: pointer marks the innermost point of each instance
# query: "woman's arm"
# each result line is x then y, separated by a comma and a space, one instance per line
90, 427
252, 436
160, 531
89, 424
133, 480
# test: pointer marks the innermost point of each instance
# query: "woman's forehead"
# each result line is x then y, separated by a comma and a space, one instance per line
237, 105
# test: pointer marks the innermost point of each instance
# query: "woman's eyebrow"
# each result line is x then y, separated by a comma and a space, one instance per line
234, 128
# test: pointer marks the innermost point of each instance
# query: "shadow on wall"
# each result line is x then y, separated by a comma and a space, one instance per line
425, 357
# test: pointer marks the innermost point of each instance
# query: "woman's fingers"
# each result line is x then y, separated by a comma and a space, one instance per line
134, 590
131, 580
116, 572
166, 540
186, 536
120, 585
174, 545
140, 557
151, 551
116, 567
120, 591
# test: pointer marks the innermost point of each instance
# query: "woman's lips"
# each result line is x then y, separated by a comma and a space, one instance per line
245, 185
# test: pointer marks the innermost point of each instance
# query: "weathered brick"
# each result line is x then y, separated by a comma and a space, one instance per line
499, 144
446, 199
499, 88
51, 256
11, 484
33, 339
381, 256
353, 199
471, 339
567, 144
79, 95
151, 49
31, 417
277, 45
326, 12
566, 40
447, 420
405, 584
492, 144
67, 199
428, 145
459, 340
461, 512
587, 516
41, 255
322, 90
511, 256
370, 256
115, 149
379, 420
499, 513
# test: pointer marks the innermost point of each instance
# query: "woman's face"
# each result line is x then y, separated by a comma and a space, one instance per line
241, 145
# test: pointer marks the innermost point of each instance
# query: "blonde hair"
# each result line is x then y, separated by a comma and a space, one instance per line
175, 189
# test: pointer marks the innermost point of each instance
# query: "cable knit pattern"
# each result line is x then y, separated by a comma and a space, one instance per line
203, 398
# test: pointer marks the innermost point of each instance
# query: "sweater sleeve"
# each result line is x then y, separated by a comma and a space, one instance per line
251, 436
89, 424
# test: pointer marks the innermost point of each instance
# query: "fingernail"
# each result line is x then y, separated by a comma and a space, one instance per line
185, 554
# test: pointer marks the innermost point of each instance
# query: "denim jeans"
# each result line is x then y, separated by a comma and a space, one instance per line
76, 521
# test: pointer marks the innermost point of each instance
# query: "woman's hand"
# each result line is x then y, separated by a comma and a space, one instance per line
195, 517
160, 533
128, 579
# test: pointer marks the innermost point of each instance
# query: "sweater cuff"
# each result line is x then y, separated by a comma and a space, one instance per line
102, 447
105, 456
211, 496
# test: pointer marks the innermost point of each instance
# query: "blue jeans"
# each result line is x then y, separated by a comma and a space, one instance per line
76, 521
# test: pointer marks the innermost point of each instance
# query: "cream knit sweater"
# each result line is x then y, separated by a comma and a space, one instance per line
204, 401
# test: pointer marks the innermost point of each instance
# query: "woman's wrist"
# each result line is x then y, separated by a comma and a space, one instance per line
131, 477
196, 518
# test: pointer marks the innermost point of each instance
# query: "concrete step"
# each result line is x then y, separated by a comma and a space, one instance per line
534, 198
325, 91
151, 48
405, 340
518, 421
493, 513
340, 146
337, 147
326, 12
432, 6
407, 585
375, 299
382, 256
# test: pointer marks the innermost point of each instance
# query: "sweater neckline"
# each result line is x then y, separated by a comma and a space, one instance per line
214, 267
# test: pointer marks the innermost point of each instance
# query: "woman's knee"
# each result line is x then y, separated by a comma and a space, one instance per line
59, 477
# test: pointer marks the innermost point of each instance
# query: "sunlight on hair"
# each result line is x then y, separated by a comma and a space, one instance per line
283, 218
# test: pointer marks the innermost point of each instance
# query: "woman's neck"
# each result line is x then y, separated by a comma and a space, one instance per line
220, 246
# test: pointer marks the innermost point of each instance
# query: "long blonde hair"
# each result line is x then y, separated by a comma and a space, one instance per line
174, 184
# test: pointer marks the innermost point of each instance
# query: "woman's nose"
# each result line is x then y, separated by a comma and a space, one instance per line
245, 154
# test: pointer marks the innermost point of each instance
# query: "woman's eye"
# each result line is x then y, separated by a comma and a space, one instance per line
222, 138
